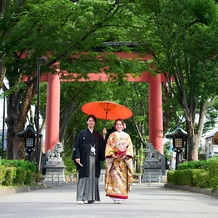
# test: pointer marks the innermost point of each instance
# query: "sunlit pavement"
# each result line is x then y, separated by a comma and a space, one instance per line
144, 201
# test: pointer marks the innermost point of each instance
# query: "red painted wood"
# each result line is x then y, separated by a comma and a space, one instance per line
155, 113
52, 112
53, 99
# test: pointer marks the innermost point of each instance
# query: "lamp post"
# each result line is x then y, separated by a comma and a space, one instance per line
38, 150
179, 137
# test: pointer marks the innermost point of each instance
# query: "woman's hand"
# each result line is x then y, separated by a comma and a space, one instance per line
120, 154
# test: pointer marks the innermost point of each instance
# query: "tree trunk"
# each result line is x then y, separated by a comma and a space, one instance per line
18, 105
195, 133
66, 114
192, 148
2, 74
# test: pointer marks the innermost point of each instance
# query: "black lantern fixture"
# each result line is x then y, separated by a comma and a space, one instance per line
29, 134
179, 137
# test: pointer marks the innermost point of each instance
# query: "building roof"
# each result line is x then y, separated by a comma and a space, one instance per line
211, 133
178, 132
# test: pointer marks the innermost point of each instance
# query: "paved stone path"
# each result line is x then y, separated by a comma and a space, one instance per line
144, 202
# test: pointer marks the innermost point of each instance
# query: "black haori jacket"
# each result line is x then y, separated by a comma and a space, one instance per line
82, 150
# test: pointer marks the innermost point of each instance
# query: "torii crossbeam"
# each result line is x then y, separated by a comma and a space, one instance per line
155, 103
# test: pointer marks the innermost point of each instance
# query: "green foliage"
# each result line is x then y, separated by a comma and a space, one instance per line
175, 49
26, 165
213, 173
70, 165
74, 95
189, 177
202, 174
64, 28
10, 176
199, 178
199, 164
18, 172
20, 176
171, 178
214, 183
213, 167
67, 158
28, 177
35, 177
203, 10
167, 153
178, 51
140, 157
2, 174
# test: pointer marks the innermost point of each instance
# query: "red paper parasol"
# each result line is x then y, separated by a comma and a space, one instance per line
107, 110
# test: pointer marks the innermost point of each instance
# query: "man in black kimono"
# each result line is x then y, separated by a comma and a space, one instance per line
89, 150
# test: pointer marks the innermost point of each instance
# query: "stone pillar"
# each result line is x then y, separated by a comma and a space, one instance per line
52, 112
155, 113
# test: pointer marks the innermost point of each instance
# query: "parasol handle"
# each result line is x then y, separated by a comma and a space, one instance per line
106, 115
105, 119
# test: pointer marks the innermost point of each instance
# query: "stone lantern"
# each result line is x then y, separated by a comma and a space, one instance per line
29, 134
179, 137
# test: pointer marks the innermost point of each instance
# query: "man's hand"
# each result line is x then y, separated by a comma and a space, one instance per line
104, 132
78, 161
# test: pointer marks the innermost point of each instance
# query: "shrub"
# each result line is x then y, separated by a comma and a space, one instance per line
200, 164
20, 176
70, 165
2, 174
180, 177
171, 177
28, 177
200, 178
38, 177
10, 176
34, 176
185, 177
214, 183
190, 177
27, 165
213, 173
18, 172
213, 168
204, 172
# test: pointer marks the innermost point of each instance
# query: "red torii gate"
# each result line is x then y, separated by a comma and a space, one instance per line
155, 103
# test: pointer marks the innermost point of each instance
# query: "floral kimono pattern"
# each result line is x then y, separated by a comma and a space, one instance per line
119, 169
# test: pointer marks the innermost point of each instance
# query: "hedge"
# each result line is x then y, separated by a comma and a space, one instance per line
18, 173
20, 176
10, 176
2, 174
201, 174
189, 177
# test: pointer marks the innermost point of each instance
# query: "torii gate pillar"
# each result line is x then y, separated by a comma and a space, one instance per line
155, 113
52, 112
